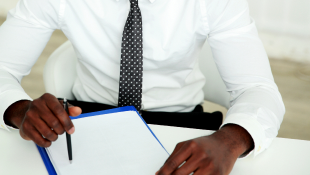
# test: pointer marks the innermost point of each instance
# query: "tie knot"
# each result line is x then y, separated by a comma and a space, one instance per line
133, 2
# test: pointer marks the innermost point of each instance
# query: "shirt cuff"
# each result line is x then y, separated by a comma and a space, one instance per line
8, 98
252, 126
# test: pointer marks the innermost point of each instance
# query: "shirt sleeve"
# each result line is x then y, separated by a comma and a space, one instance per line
256, 104
23, 37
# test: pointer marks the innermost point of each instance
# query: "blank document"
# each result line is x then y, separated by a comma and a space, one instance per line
116, 143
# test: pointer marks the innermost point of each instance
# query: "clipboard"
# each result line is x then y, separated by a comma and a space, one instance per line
47, 162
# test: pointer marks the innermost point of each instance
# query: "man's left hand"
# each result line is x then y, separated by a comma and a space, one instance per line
209, 155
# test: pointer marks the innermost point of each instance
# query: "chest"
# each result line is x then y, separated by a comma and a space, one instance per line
173, 27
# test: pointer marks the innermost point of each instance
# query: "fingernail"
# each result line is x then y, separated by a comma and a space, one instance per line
156, 172
71, 131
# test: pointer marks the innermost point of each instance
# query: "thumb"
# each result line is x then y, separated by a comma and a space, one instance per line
23, 135
74, 110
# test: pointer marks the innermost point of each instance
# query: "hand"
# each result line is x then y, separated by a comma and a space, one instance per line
42, 119
209, 155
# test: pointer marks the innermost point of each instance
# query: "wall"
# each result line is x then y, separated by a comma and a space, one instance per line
6, 5
284, 26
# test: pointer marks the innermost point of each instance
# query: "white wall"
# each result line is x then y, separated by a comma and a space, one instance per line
6, 5
282, 16
284, 26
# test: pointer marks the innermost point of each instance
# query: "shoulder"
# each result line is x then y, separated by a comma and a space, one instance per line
232, 13
39, 12
217, 7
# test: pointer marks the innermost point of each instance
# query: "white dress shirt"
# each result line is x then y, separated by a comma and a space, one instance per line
174, 32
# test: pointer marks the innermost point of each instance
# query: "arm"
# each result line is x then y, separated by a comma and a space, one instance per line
22, 38
213, 155
256, 110
256, 104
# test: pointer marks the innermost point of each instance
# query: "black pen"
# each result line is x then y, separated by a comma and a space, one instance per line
68, 136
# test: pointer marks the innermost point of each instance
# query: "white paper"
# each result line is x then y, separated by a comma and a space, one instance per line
117, 143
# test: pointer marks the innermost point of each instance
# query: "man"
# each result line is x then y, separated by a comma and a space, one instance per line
173, 34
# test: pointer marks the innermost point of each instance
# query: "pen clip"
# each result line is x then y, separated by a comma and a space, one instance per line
64, 101
65, 104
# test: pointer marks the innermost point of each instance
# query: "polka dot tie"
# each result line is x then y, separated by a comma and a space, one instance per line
130, 83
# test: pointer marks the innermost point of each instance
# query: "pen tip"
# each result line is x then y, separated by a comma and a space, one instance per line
70, 161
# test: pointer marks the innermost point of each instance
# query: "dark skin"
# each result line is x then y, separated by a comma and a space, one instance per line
36, 118
209, 155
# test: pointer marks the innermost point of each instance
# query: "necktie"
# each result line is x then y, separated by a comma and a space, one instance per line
130, 83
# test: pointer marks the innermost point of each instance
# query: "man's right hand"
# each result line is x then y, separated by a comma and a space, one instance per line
42, 119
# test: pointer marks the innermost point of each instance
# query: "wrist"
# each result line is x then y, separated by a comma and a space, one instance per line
237, 139
14, 114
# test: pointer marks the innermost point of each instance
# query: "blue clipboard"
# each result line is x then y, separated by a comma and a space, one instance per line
47, 162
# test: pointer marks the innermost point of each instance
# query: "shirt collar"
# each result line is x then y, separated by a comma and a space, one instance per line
149, 0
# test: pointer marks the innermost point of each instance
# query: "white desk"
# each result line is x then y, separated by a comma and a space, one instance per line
284, 157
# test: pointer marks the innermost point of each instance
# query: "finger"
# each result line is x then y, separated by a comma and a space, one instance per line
37, 138
190, 166
208, 168
203, 171
200, 171
172, 164
23, 128
176, 150
75, 111
52, 121
58, 110
45, 130
23, 135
